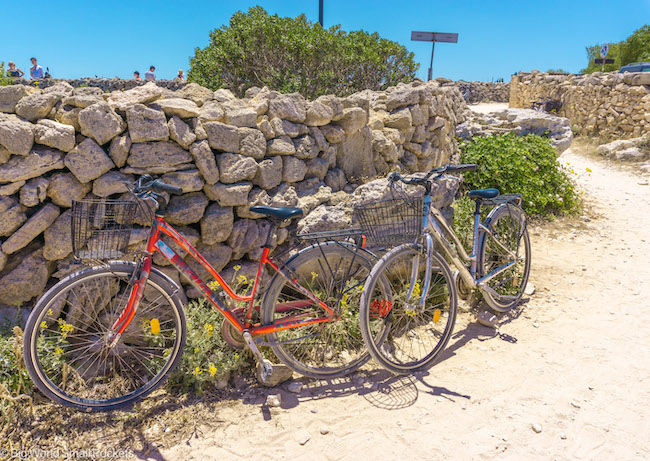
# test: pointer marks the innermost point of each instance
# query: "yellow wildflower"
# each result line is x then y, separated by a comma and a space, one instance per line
212, 370
197, 371
208, 329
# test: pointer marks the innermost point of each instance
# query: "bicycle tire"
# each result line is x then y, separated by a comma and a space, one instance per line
66, 349
335, 272
413, 341
508, 225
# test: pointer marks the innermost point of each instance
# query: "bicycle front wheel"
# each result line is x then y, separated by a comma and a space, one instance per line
69, 352
506, 252
335, 272
417, 332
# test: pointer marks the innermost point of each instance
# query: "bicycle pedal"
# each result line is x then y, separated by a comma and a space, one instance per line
278, 374
488, 319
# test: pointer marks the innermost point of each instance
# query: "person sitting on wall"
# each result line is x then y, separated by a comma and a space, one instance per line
136, 75
36, 71
149, 75
13, 71
180, 77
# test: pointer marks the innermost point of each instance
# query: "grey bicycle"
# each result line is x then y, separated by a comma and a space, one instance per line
419, 310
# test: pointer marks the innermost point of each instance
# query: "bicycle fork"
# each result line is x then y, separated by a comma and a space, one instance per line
415, 269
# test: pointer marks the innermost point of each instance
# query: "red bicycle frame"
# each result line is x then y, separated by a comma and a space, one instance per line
154, 243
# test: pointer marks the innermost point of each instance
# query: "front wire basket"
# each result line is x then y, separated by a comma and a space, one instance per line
391, 222
101, 228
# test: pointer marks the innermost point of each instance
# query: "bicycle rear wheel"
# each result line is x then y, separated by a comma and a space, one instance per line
508, 243
335, 272
416, 335
68, 335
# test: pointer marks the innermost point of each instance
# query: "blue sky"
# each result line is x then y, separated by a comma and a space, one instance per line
496, 38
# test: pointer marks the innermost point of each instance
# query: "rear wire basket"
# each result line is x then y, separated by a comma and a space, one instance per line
391, 222
101, 228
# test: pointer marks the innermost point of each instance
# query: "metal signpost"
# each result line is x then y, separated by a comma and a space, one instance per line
434, 37
603, 54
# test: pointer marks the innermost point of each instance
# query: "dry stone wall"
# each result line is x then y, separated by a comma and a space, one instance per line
611, 105
61, 144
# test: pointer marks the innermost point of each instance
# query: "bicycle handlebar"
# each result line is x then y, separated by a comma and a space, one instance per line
146, 183
439, 171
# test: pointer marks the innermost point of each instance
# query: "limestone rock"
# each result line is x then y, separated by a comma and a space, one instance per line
212, 111
334, 134
290, 107
58, 238
11, 94
353, 119
119, 150
146, 124
31, 229
12, 215
317, 167
11, 188
180, 132
400, 119
235, 167
335, 179
158, 157
306, 147
65, 187
244, 237
54, 134
205, 161
223, 95
26, 281
88, 161
84, 97
217, 255
144, 94
280, 146
181, 108
325, 218
253, 143
34, 192
69, 115
16, 136
39, 161
229, 194
269, 174
238, 113
216, 224
293, 170
286, 128
355, 156
318, 114
186, 209
100, 122
223, 137
188, 180
111, 183
36, 105
195, 92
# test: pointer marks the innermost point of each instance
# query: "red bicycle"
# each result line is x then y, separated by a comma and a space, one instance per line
106, 336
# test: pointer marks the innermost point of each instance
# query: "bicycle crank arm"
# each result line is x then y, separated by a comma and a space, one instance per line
267, 368
486, 289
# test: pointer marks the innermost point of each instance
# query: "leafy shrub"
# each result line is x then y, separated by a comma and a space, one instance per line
526, 165
4, 79
288, 55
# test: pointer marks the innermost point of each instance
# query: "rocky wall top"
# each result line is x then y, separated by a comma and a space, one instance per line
104, 84
612, 105
61, 143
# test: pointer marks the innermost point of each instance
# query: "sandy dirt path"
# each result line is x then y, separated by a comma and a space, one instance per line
574, 362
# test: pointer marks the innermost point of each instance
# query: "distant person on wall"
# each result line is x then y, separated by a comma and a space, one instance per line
149, 75
136, 75
13, 71
180, 77
36, 71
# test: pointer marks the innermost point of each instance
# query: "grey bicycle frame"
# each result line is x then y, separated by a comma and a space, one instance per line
435, 226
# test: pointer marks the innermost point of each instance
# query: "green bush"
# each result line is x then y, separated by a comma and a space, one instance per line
4, 79
288, 55
526, 165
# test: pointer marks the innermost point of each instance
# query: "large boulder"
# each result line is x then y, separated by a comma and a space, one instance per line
181, 108
205, 161
11, 94
58, 238
197, 93
292, 107
235, 167
27, 280
65, 187
100, 122
88, 161
12, 215
223, 137
186, 209
36, 105
54, 134
31, 229
158, 157
119, 150
217, 255
180, 132
253, 143
269, 174
144, 94
146, 124
84, 97
355, 156
16, 135
229, 194
318, 114
216, 224
34, 192
113, 182
39, 161
188, 180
